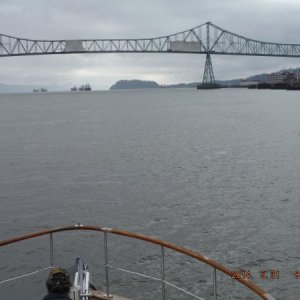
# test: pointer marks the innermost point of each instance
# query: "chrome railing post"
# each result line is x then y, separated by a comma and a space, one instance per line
106, 265
163, 286
51, 250
215, 283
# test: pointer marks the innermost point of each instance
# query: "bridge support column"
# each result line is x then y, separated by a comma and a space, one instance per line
208, 81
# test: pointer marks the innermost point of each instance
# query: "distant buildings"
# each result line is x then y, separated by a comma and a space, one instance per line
277, 80
282, 77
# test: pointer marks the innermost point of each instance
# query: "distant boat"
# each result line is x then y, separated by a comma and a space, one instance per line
44, 90
74, 89
36, 90
86, 87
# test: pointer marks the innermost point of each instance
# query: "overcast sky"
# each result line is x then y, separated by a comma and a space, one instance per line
268, 20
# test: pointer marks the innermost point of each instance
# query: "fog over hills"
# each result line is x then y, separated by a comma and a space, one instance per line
15, 88
5, 88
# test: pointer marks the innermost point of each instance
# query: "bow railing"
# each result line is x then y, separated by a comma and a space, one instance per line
215, 266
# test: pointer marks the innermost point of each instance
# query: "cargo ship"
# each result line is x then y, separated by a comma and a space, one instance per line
40, 90
85, 87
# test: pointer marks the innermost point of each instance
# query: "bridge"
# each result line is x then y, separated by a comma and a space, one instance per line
204, 39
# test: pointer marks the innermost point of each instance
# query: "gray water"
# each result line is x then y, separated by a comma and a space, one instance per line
215, 171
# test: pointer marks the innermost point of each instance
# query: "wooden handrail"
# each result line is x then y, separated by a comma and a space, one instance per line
252, 286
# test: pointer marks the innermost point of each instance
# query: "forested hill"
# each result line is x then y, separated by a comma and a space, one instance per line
134, 84
141, 84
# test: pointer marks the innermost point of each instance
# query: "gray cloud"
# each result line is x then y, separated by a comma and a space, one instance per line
267, 20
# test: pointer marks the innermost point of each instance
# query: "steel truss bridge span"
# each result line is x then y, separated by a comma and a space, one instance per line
203, 39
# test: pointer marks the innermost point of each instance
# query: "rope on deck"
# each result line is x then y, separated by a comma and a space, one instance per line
25, 275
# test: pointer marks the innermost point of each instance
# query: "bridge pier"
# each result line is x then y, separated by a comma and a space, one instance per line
208, 81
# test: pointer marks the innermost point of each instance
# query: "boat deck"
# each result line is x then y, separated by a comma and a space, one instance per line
102, 296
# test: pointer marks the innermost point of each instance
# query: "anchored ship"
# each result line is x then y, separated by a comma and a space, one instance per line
85, 87
40, 90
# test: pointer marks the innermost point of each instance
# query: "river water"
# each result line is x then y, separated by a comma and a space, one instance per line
216, 171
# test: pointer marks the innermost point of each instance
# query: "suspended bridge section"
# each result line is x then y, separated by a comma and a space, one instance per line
205, 39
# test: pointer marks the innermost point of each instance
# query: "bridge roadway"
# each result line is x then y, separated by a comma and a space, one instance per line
204, 39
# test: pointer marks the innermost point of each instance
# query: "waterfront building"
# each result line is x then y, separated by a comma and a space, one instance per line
281, 77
